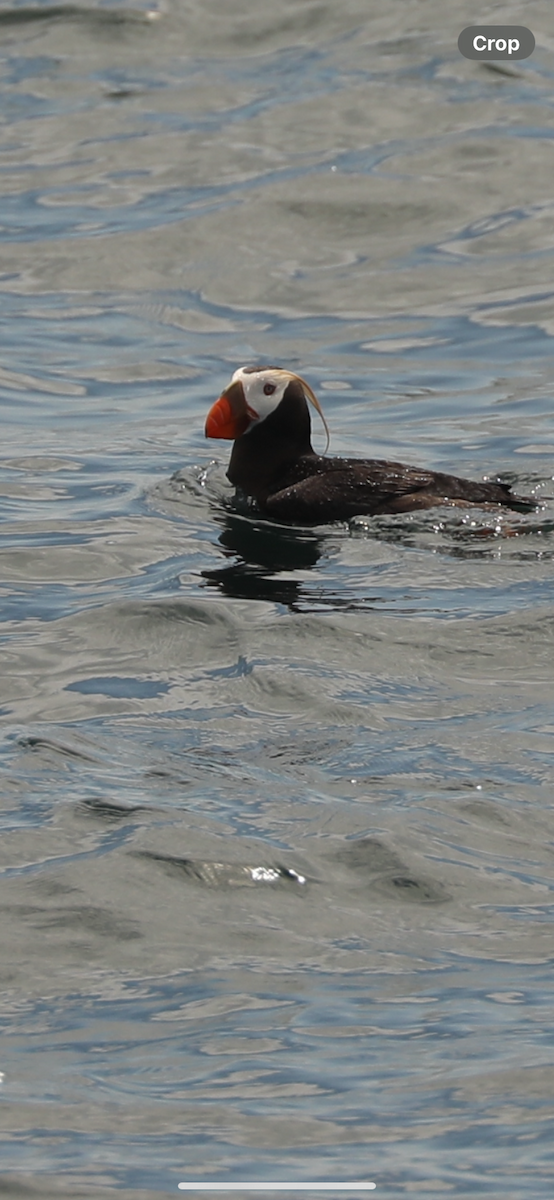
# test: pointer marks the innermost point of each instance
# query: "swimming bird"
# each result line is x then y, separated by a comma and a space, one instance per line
264, 410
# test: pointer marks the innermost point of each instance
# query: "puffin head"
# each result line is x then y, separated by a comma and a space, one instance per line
253, 395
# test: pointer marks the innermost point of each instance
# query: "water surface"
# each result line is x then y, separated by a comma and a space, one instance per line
277, 869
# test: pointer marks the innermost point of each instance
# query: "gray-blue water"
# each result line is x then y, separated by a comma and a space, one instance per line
277, 857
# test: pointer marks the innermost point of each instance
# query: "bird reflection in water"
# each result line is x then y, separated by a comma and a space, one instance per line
262, 556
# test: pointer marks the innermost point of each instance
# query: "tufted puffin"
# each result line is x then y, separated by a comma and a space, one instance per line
265, 411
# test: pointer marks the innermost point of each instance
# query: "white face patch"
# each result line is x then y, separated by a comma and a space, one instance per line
264, 390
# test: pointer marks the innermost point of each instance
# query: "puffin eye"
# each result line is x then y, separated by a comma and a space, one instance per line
269, 389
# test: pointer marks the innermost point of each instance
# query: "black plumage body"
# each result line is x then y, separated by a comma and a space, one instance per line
274, 463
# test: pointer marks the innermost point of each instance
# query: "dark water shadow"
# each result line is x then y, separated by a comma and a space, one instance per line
260, 556
88, 15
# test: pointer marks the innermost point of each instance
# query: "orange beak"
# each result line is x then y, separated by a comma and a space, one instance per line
230, 416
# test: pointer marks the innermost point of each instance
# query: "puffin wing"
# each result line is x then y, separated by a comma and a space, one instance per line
342, 488
335, 489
